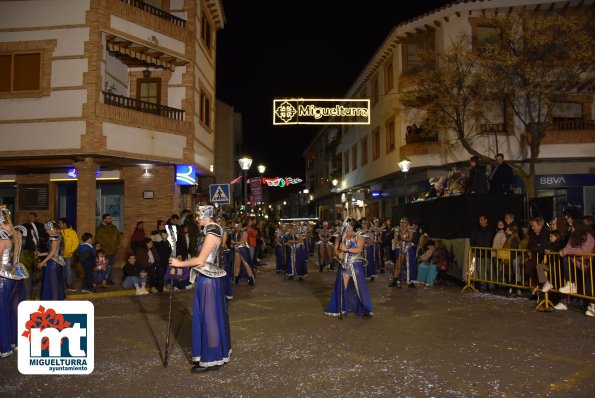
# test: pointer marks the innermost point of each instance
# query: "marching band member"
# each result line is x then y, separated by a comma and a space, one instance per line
368, 252
12, 275
325, 254
280, 238
52, 286
296, 255
350, 293
377, 233
211, 341
405, 254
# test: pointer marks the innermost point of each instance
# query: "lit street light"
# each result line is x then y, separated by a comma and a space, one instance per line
261, 169
404, 165
245, 164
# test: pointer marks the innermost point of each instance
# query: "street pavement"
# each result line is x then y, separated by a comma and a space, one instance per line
422, 342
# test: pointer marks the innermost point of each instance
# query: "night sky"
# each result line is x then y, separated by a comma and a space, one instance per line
300, 48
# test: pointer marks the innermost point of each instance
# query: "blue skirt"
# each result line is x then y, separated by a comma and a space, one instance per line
356, 297
412, 264
371, 267
228, 279
52, 286
245, 253
280, 258
11, 294
211, 341
296, 261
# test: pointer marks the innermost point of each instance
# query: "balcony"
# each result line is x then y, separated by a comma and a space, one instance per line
121, 101
569, 131
156, 12
422, 136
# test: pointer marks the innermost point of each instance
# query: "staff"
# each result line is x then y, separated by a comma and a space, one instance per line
172, 239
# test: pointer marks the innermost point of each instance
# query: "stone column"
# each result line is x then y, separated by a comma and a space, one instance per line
85, 196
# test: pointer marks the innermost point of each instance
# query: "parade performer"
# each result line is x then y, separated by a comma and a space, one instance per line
296, 254
325, 251
12, 286
368, 252
243, 259
52, 286
405, 254
280, 239
350, 293
377, 234
211, 342
226, 260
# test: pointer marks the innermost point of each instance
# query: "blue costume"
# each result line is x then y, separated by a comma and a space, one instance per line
296, 257
405, 257
355, 296
52, 286
211, 341
12, 287
368, 255
244, 250
323, 244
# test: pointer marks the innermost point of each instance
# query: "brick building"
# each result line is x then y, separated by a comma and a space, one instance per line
100, 100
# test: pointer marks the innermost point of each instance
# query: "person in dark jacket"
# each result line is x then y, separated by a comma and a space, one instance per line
477, 182
538, 243
87, 255
148, 257
501, 176
481, 238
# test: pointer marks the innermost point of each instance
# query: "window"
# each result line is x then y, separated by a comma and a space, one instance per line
205, 109
413, 51
354, 157
389, 81
376, 143
566, 111
374, 90
390, 135
206, 30
345, 162
149, 90
484, 36
364, 154
20, 72
495, 117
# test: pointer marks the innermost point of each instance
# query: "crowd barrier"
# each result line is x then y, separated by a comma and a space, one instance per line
518, 269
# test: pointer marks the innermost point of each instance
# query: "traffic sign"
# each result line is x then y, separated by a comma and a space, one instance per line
219, 193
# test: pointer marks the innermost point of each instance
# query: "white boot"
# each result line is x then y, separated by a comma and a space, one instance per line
142, 288
138, 291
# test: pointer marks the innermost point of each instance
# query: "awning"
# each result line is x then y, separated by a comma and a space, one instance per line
136, 55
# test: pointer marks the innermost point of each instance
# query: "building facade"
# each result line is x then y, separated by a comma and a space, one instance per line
100, 101
372, 183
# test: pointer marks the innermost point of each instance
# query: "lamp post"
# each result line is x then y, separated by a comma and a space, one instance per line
245, 164
261, 169
404, 165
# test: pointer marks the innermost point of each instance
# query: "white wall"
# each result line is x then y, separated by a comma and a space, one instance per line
42, 136
144, 142
20, 14
58, 104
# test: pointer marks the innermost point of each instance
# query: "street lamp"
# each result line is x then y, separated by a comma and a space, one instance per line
335, 182
245, 164
261, 169
404, 165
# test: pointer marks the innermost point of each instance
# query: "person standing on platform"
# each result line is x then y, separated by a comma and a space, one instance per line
501, 177
71, 242
109, 236
477, 182
211, 340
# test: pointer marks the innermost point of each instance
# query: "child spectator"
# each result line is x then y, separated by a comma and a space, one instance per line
101, 264
87, 257
553, 246
134, 275
427, 271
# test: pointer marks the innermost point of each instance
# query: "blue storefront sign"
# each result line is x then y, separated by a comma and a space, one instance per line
564, 180
185, 174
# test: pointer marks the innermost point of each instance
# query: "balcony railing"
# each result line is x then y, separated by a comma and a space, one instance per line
567, 125
493, 127
423, 136
142, 106
157, 12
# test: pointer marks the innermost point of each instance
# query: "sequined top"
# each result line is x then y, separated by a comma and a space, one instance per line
211, 265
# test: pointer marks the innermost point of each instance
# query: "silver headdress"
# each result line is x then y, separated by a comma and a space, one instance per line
204, 212
50, 225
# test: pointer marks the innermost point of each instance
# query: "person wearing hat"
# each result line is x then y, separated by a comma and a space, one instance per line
478, 182
52, 285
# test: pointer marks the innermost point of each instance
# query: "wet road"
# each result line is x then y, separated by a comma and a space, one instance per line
424, 342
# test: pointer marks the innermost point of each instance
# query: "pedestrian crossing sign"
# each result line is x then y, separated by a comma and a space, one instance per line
219, 193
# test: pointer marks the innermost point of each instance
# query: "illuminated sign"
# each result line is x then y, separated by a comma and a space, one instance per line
73, 173
185, 174
281, 182
376, 194
292, 111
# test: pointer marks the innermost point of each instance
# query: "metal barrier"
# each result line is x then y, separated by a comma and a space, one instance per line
516, 268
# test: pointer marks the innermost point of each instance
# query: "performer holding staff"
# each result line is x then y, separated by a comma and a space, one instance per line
350, 293
325, 254
12, 287
211, 342
405, 253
